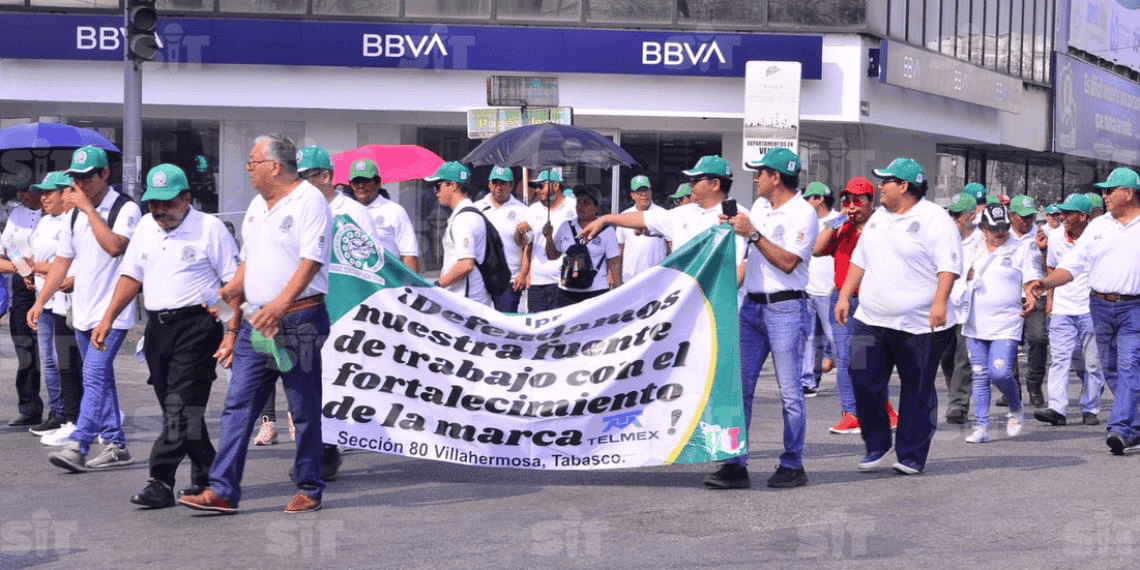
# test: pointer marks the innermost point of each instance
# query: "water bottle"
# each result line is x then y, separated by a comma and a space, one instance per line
210, 299
22, 266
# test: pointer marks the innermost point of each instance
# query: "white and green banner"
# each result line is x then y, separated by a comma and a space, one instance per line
648, 374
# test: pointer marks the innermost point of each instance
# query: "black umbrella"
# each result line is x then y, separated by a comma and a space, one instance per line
549, 144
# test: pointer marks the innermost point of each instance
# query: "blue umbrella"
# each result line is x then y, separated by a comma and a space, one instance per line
549, 144
52, 135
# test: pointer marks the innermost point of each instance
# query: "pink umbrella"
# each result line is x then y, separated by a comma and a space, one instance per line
397, 162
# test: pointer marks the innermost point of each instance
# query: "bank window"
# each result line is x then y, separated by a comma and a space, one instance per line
632, 10
274, 6
720, 12
546, 10
357, 7
448, 9
112, 4
184, 6
662, 157
839, 13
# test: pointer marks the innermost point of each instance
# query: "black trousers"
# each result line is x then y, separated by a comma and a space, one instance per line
180, 357
70, 363
27, 350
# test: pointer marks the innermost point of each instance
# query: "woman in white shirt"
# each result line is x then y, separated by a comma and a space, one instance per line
997, 272
605, 254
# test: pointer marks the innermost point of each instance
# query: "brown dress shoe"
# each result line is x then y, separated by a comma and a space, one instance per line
207, 500
302, 503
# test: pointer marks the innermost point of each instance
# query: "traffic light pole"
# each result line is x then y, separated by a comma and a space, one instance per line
132, 127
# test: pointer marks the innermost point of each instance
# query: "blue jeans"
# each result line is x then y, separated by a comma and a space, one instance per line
775, 328
251, 383
819, 311
99, 409
1067, 334
45, 337
992, 361
1117, 328
841, 334
875, 352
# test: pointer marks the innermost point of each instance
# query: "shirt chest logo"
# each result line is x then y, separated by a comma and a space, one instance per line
286, 225
913, 229
189, 255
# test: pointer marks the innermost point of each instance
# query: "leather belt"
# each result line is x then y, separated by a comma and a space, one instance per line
766, 298
305, 303
1113, 297
171, 316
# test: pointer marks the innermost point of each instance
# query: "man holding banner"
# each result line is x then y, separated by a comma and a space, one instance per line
285, 251
772, 319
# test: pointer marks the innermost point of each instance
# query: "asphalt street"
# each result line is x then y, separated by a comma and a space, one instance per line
1053, 497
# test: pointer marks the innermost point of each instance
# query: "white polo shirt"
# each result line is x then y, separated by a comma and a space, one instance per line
506, 218
793, 227
275, 241
1109, 252
901, 256
465, 238
545, 271
821, 270
342, 204
958, 291
95, 271
45, 242
1072, 298
640, 251
397, 234
182, 267
17, 236
995, 309
683, 223
603, 247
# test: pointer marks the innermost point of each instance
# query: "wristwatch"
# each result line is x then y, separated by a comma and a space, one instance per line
754, 238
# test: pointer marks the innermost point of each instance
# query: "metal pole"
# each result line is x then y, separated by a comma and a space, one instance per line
132, 120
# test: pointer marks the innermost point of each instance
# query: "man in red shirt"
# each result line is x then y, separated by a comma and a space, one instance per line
857, 204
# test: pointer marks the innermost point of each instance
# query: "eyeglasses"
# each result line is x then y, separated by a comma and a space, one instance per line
253, 162
857, 200
891, 181
84, 176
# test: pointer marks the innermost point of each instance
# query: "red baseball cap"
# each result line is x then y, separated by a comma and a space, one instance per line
859, 185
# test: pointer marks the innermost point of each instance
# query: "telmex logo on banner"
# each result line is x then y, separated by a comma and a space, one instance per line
648, 374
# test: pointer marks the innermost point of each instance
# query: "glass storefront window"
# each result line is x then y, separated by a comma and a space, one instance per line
631, 10
448, 9
184, 5
720, 12
552, 10
662, 157
105, 4
838, 13
357, 7
267, 6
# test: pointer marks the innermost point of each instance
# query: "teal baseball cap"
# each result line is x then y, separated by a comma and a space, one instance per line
780, 159
363, 168
1076, 202
817, 188
551, 175
313, 158
976, 190
165, 182
1023, 205
1052, 209
903, 168
53, 180
1095, 200
88, 158
501, 173
450, 172
965, 203
709, 165
682, 191
1121, 178
638, 183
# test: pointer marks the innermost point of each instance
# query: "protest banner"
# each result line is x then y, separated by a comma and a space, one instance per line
648, 374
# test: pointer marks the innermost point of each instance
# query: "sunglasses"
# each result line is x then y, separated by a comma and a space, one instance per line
857, 200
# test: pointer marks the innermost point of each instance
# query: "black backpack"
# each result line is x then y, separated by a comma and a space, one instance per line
494, 269
120, 201
578, 270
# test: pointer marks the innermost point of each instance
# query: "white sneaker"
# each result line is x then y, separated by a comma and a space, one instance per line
111, 456
980, 435
1015, 420
268, 433
59, 437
